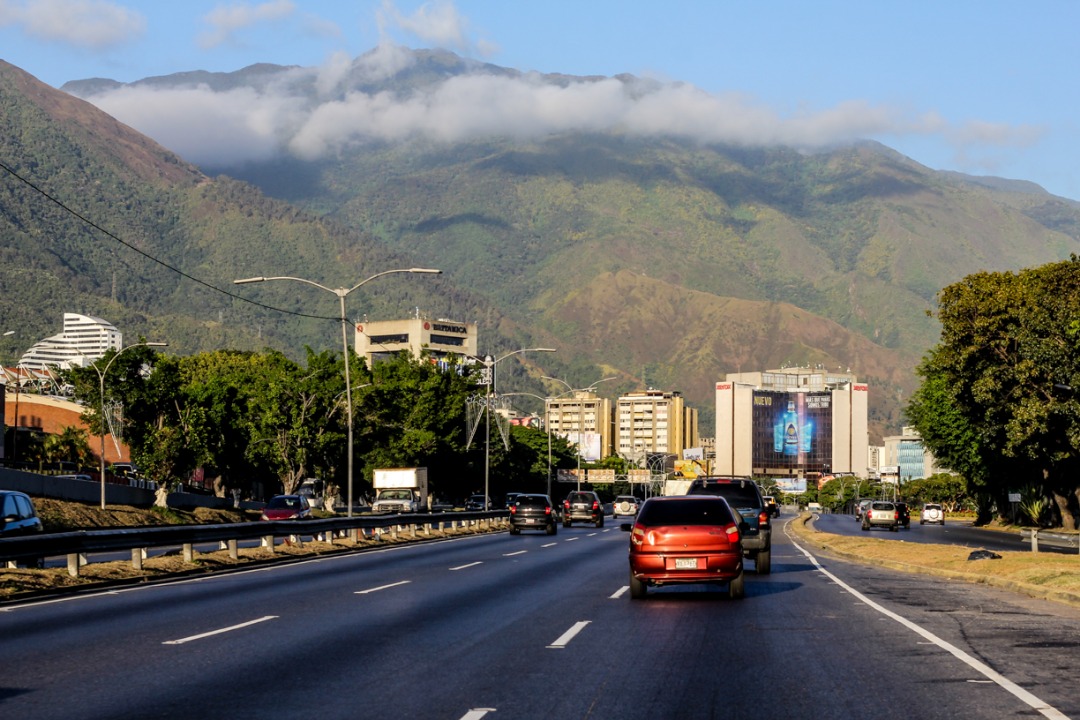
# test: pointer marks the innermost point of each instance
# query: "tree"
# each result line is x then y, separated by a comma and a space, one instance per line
988, 406
69, 445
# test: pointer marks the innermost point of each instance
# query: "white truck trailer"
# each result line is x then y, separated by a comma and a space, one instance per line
401, 490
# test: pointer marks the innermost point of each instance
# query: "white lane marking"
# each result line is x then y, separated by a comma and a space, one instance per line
992, 675
592, 534
519, 552
569, 635
619, 593
382, 587
572, 539
549, 545
181, 641
469, 565
476, 713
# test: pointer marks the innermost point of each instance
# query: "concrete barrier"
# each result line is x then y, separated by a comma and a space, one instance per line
83, 491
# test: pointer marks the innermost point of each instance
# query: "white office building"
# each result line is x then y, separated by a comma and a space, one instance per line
84, 340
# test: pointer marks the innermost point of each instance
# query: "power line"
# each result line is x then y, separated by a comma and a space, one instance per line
146, 255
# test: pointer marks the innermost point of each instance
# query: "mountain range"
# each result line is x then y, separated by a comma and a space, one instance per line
664, 261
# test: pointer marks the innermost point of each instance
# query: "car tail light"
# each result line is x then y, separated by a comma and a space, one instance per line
637, 537
566, 504
896, 515
732, 534
513, 509
763, 517
595, 505
547, 510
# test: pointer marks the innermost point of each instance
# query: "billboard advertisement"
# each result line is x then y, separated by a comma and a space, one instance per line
792, 485
792, 431
588, 444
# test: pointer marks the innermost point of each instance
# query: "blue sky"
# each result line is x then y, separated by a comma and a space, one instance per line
986, 88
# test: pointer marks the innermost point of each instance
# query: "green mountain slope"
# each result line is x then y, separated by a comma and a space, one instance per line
659, 260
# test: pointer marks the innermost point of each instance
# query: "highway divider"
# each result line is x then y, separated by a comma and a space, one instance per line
77, 545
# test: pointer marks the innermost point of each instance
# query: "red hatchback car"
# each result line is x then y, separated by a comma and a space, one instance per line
686, 539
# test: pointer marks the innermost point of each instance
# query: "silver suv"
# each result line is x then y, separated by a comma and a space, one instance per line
881, 513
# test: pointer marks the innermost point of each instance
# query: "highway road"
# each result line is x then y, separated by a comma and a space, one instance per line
951, 533
532, 626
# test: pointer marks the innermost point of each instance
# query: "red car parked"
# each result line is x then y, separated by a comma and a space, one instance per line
686, 539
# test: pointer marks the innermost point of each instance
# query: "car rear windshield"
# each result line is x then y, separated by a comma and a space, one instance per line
883, 506
580, 497
739, 494
685, 512
531, 501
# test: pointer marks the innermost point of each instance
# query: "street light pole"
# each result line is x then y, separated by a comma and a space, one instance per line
547, 428
581, 414
491, 363
341, 294
101, 388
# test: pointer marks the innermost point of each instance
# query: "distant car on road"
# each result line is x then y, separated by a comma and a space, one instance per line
932, 513
624, 505
686, 539
772, 506
904, 517
19, 515
533, 512
861, 508
583, 505
476, 502
287, 507
881, 513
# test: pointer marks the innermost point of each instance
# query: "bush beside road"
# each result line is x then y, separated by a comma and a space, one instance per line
1051, 576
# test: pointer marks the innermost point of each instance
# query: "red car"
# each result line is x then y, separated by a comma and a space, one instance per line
287, 507
686, 539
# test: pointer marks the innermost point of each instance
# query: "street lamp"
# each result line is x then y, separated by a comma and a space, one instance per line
490, 363
342, 293
101, 387
581, 414
547, 428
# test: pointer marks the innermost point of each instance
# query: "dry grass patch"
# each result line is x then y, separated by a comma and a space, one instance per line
1054, 576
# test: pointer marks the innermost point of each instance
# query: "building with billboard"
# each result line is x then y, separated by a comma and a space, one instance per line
791, 423
906, 458
381, 340
584, 419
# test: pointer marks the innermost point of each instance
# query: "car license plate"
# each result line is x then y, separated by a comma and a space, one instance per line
530, 521
686, 563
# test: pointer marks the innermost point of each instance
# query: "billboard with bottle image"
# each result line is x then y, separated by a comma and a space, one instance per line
792, 431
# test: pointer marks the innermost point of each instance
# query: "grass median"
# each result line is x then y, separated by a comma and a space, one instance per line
1051, 576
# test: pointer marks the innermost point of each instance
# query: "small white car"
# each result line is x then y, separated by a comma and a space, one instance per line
932, 513
624, 505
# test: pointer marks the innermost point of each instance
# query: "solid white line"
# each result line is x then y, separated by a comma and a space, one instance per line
476, 713
992, 675
181, 641
519, 552
382, 587
619, 593
462, 567
569, 635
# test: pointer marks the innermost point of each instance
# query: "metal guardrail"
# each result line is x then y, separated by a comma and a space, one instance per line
76, 545
1053, 539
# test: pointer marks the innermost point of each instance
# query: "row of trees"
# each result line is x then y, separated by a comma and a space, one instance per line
1000, 396
259, 423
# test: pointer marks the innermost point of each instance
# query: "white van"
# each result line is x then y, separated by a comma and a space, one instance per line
814, 507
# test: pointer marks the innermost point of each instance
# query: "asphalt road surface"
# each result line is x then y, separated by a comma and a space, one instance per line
951, 533
533, 626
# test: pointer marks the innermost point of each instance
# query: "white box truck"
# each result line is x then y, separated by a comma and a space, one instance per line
400, 490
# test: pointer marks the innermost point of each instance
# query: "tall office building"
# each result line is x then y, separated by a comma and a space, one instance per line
654, 422
584, 419
84, 340
791, 422
382, 339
